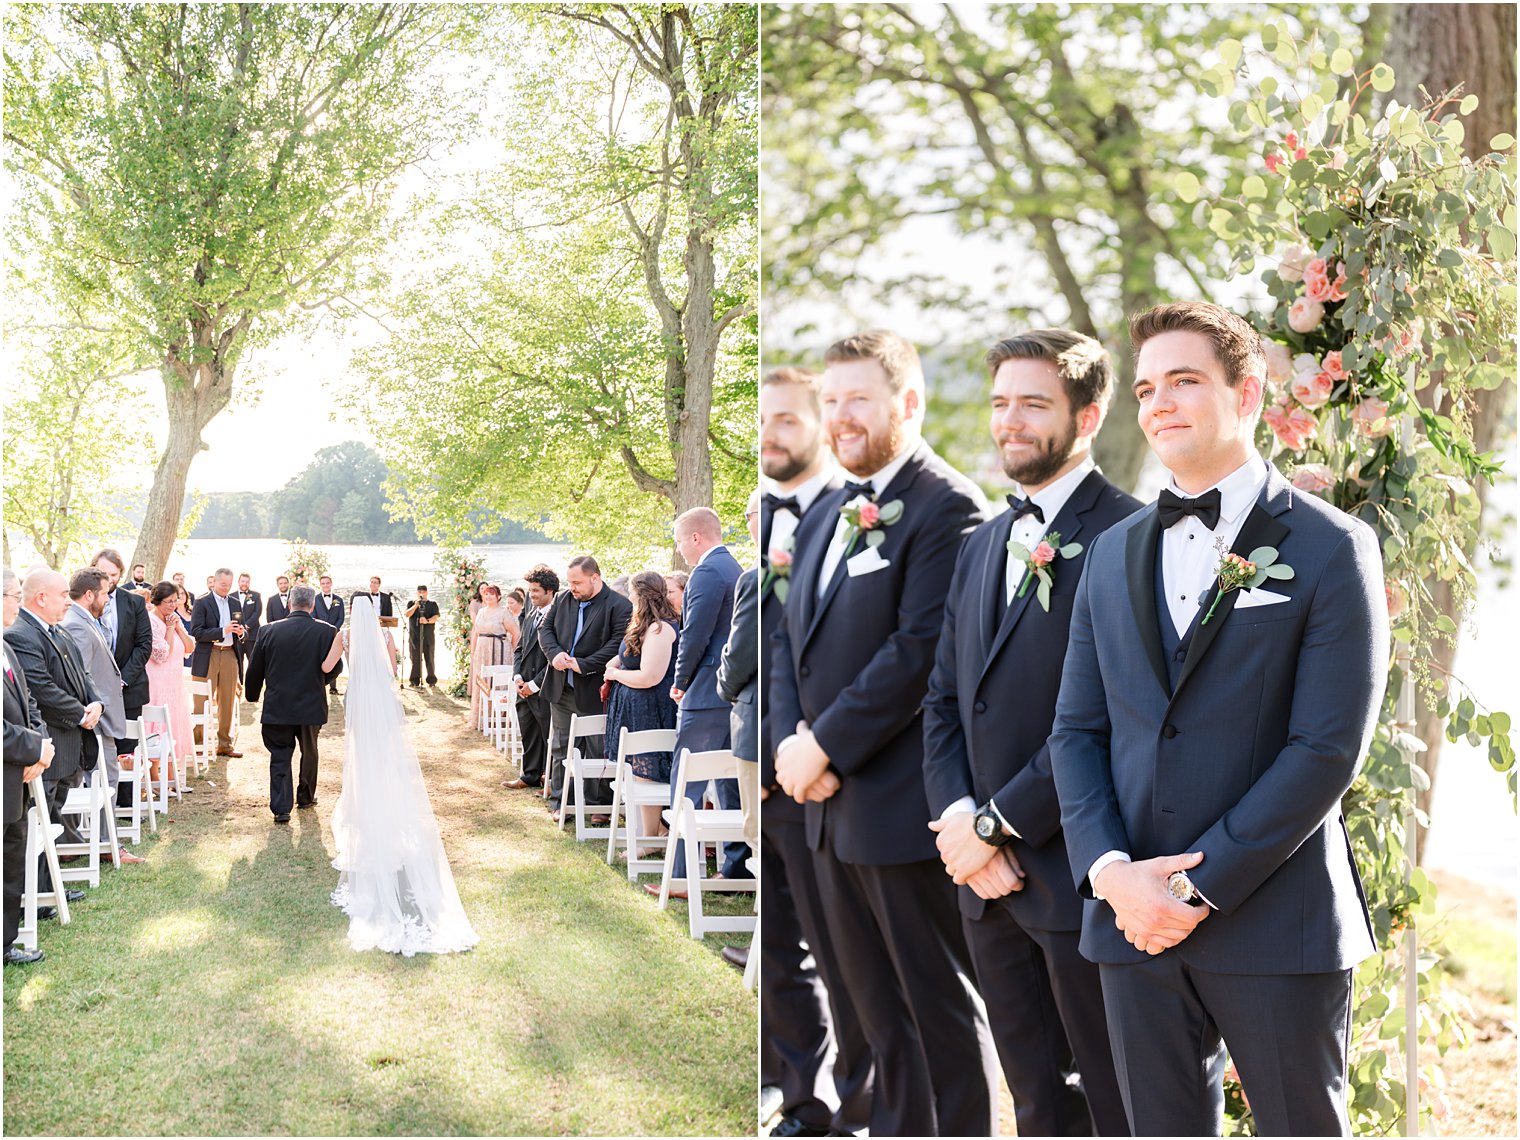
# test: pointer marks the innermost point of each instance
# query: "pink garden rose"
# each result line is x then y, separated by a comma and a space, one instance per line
1316, 280
1405, 338
1338, 286
1333, 367
1293, 427
1371, 418
1043, 555
1279, 362
1313, 478
870, 515
1305, 315
1290, 267
780, 559
1312, 389
1397, 598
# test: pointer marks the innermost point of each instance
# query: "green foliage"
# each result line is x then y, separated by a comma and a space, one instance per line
1392, 277
464, 576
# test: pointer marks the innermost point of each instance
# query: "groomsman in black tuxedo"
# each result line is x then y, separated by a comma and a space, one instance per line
130, 636
581, 633
28, 753
279, 602
806, 1016
530, 668
382, 600
139, 578
55, 675
329, 608
992, 697
851, 665
1203, 740
252, 603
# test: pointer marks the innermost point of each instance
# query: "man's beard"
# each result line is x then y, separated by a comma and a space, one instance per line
879, 450
794, 465
1049, 457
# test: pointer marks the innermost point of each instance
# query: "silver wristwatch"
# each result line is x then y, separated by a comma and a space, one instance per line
1181, 888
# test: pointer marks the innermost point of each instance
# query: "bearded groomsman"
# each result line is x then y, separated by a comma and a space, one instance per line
1203, 740
992, 698
809, 1026
279, 602
851, 665
253, 609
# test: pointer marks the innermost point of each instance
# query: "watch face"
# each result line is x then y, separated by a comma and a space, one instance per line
1179, 887
984, 826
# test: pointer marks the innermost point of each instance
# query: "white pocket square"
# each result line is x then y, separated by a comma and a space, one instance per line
1259, 597
868, 561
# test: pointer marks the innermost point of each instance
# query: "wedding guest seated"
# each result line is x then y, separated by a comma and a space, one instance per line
166, 676
675, 589
640, 677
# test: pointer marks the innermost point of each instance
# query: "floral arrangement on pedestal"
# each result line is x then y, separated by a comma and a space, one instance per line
305, 563
1391, 265
463, 575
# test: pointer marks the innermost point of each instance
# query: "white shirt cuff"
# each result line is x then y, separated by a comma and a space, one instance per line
1099, 863
784, 742
964, 804
1008, 828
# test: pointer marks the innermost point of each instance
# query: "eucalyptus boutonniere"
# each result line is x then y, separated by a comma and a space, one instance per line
778, 570
1237, 573
868, 518
1039, 561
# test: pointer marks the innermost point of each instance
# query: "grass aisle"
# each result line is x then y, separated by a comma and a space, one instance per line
212, 991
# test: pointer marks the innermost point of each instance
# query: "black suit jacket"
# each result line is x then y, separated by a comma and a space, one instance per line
992, 699
206, 631
601, 636
529, 663
276, 610
333, 614
24, 734
739, 665
855, 663
288, 659
56, 676
778, 805
134, 645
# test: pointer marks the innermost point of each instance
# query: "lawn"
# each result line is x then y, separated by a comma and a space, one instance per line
212, 990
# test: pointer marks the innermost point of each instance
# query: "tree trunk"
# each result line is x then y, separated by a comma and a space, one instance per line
1438, 46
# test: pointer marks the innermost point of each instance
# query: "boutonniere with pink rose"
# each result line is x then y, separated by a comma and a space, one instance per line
778, 570
1237, 573
867, 518
1039, 564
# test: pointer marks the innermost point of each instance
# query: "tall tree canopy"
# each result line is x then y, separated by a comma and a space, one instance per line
212, 172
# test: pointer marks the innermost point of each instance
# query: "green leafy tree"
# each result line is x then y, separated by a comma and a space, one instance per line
212, 171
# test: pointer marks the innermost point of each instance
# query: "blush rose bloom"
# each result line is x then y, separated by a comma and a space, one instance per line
1313, 478
780, 559
1293, 427
1398, 599
1312, 389
1305, 315
1317, 280
1291, 265
1043, 555
1371, 418
870, 515
1279, 362
1333, 366
1338, 286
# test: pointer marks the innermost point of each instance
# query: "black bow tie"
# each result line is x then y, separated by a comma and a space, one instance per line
1174, 508
1022, 507
851, 489
777, 503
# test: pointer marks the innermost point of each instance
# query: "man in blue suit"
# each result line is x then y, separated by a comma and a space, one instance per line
706, 615
992, 697
1203, 740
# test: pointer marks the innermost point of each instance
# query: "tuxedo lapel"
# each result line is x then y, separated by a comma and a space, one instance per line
1261, 528
994, 586
1140, 570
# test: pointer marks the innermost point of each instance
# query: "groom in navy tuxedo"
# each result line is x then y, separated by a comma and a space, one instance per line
992, 697
850, 665
1202, 743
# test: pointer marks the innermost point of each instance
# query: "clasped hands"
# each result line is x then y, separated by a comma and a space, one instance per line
991, 872
802, 767
1152, 920
563, 661
92, 713
32, 771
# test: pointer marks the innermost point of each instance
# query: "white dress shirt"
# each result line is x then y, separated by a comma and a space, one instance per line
1190, 554
879, 482
224, 613
784, 523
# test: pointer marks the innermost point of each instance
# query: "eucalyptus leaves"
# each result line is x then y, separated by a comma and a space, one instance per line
1237, 573
863, 517
1038, 564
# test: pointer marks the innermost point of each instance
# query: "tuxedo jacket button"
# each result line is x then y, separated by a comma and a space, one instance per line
804, 671
980, 706
1169, 731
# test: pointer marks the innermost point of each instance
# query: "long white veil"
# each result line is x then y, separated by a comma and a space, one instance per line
395, 884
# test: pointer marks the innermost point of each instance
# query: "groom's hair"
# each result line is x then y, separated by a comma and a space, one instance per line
1081, 362
898, 359
1236, 344
303, 598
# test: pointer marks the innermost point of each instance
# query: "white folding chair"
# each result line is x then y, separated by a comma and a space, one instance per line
501, 714
694, 827
157, 743
87, 802
41, 836
206, 720
629, 794
141, 781
578, 769
484, 680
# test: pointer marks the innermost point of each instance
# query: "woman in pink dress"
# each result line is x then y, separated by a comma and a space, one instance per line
166, 673
493, 641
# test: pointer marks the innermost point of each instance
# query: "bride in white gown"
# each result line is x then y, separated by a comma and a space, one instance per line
395, 884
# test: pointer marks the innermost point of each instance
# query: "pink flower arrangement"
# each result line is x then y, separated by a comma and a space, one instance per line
870, 515
1371, 418
1312, 389
1043, 555
1333, 366
1304, 315
780, 559
1313, 478
1316, 280
1293, 427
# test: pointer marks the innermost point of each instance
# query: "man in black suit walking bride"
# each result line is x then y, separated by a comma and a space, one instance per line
297, 657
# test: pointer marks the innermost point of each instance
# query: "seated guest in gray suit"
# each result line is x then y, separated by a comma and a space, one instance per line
1204, 737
